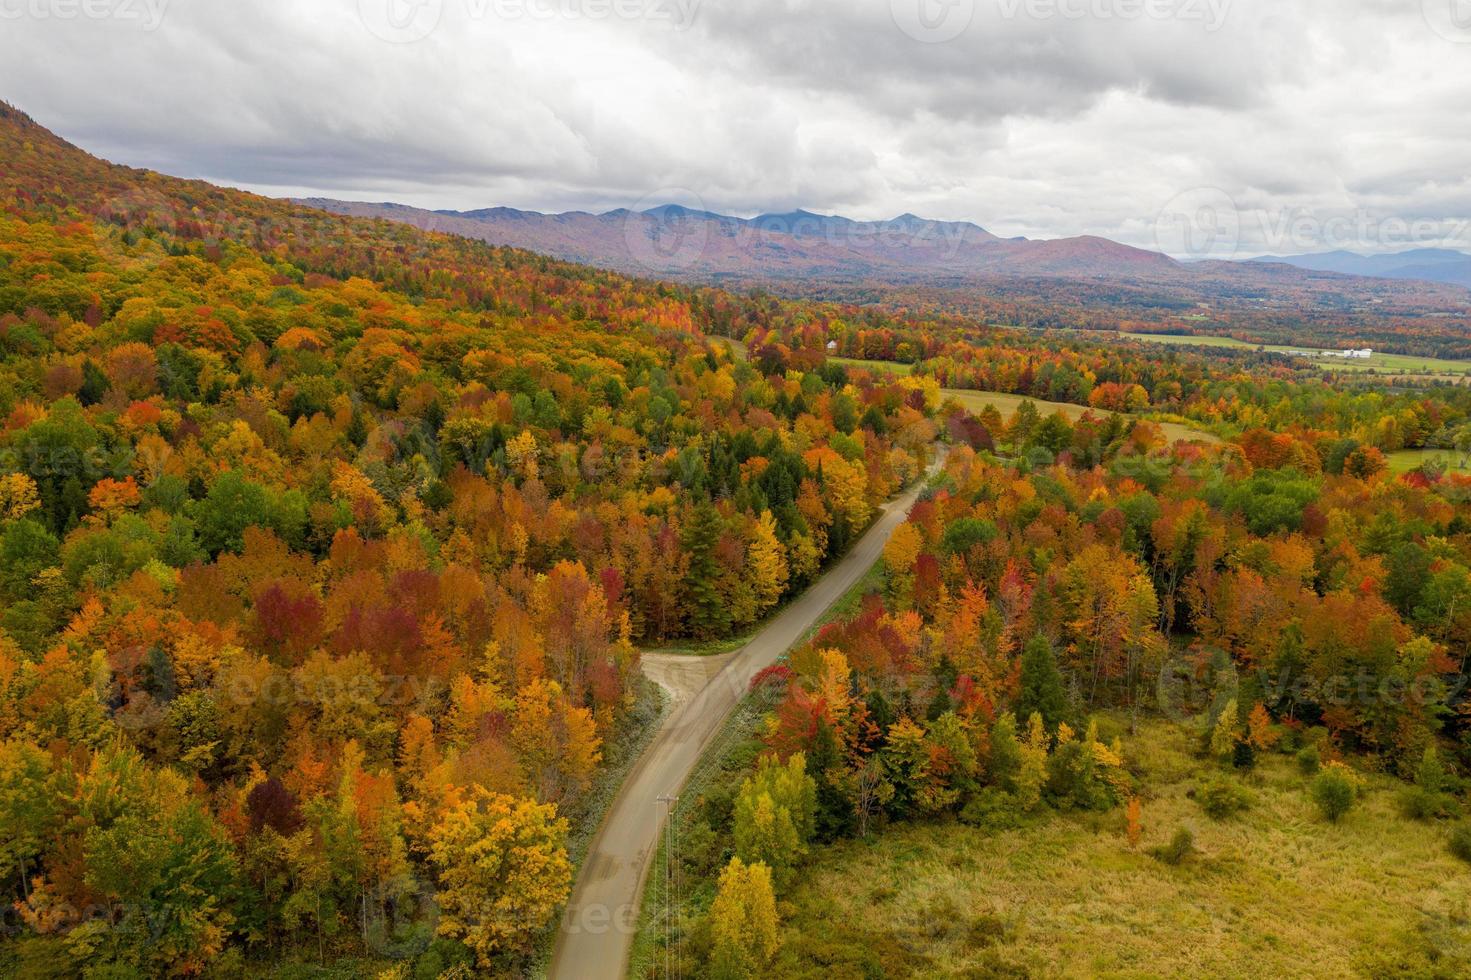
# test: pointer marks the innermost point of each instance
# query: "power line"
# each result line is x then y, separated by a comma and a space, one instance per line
672, 940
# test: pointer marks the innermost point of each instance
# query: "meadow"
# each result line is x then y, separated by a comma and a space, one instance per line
1007, 404
1405, 460
1398, 364
1274, 891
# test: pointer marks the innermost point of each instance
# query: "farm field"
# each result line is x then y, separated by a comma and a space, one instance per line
1384, 363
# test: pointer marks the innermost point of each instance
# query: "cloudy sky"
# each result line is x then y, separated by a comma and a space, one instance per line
1293, 126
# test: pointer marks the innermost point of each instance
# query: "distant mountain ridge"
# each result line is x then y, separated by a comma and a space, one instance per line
1429, 264
672, 240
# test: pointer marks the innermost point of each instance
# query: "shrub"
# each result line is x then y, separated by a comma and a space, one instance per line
1419, 803
1428, 799
1223, 735
1460, 842
1082, 774
1308, 761
1180, 847
1221, 798
1333, 791
992, 809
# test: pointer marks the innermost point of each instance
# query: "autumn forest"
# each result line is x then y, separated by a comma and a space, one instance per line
331, 549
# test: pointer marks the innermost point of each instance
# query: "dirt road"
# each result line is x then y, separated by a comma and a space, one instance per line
602, 916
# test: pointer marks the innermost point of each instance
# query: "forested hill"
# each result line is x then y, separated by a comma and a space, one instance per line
325, 545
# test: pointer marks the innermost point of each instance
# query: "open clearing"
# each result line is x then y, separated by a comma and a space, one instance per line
893, 367
975, 401
1007, 404
1404, 364
1275, 891
1405, 460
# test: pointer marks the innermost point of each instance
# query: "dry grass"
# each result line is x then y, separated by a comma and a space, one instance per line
975, 401
1273, 892
1006, 404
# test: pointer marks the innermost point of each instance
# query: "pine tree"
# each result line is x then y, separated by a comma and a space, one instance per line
1041, 684
709, 615
834, 812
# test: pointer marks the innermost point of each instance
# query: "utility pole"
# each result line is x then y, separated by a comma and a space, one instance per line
671, 941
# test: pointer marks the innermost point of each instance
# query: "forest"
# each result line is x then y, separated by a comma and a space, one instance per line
1060, 586
329, 549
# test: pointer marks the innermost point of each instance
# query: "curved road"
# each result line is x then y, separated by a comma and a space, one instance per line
601, 918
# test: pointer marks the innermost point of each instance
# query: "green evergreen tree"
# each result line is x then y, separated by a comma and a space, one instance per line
708, 614
1041, 684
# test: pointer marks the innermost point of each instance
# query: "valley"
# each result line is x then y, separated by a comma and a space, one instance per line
489, 491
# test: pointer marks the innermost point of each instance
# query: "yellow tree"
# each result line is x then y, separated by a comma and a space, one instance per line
521, 453
351, 487
503, 872
556, 741
743, 922
900, 554
775, 812
18, 496
833, 685
766, 562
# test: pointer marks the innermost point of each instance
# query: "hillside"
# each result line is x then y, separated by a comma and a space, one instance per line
326, 546
676, 241
914, 264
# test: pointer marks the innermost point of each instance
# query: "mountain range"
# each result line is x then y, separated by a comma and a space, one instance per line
679, 242
1427, 264
672, 240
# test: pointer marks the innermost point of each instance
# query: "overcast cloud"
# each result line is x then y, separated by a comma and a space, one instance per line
1196, 126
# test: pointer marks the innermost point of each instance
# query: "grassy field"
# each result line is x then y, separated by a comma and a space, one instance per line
1406, 460
893, 367
1007, 404
1401, 364
1275, 891
975, 401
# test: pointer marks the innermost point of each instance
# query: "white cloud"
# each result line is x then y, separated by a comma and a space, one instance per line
1040, 117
